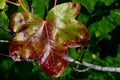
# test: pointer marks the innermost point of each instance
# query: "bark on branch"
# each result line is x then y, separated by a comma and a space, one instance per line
95, 67
4, 41
83, 63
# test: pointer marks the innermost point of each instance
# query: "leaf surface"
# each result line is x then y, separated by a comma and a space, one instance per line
39, 7
48, 40
2, 4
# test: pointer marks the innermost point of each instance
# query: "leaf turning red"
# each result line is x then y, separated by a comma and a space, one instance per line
48, 40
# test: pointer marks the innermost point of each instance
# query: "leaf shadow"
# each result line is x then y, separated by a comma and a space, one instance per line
11, 9
110, 47
101, 10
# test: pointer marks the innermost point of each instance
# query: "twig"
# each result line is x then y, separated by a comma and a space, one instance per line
83, 70
55, 2
4, 41
83, 53
95, 67
17, 4
5, 55
23, 6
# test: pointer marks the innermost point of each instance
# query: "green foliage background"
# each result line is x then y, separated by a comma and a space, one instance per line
101, 17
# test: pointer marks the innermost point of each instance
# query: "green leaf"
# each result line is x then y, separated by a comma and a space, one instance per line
88, 4
107, 2
115, 16
3, 19
48, 40
39, 7
25, 2
82, 18
5, 65
2, 4
69, 29
102, 24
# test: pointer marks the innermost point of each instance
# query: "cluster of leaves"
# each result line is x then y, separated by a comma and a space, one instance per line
101, 17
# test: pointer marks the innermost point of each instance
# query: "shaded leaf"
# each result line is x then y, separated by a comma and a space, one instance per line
48, 40
89, 5
5, 65
107, 27
107, 2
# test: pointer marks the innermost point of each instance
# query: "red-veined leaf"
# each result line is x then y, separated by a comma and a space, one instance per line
48, 40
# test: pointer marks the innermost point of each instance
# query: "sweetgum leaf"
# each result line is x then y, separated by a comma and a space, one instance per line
48, 40
25, 26
67, 29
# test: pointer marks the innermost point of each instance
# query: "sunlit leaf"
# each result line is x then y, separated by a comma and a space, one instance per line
3, 18
2, 4
48, 40
25, 26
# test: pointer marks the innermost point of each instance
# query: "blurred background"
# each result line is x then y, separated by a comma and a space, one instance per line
101, 17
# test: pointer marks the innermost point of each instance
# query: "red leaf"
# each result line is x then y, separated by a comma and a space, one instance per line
48, 40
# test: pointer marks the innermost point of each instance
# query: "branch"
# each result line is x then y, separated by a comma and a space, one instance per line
95, 67
17, 4
83, 70
5, 55
4, 41
83, 63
